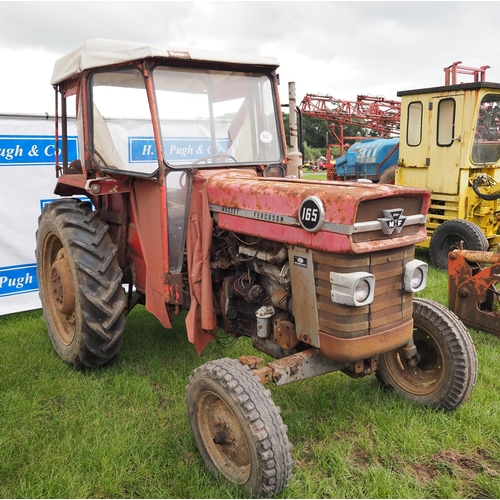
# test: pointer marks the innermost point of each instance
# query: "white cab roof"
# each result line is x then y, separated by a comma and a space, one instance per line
98, 52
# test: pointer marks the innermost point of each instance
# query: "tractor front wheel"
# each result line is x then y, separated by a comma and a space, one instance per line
80, 284
444, 370
238, 429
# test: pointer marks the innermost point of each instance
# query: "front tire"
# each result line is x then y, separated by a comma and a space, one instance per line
447, 367
80, 284
238, 429
447, 237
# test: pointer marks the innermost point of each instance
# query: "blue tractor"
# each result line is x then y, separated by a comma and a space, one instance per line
375, 159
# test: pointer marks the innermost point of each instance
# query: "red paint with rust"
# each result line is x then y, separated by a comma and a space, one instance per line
244, 190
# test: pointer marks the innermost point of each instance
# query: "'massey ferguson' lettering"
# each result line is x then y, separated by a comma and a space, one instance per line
232, 211
268, 217
252, 214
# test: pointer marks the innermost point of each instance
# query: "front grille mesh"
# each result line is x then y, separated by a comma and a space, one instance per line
372, 209
391, 306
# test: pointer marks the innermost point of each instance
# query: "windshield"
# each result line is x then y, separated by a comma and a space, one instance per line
122, 130
216, 117
486, 148
206, 117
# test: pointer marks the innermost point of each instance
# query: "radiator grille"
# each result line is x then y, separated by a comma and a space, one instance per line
391, 306
372, 209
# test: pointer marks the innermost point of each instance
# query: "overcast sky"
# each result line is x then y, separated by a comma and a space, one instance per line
339, 48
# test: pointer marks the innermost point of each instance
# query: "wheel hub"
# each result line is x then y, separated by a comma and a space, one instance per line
224, 438
422, 375
62, 285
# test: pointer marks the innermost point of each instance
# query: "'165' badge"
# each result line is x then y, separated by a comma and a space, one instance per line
312, 214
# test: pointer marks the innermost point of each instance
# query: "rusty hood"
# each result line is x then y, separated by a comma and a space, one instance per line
348, 216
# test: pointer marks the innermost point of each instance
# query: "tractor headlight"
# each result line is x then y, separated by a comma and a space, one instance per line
352, 289
415, 276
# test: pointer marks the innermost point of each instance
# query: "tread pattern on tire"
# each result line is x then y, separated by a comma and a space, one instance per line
263, 417
99, 278
478, 240
388, 176
462, 350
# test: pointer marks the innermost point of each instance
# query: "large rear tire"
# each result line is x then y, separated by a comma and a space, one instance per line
80, 284
389, 175
238, 428
447, 237
446, 371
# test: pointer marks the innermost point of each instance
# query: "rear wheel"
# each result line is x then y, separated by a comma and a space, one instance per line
449, 234
238, 428
389, 175
445, 371
80, 284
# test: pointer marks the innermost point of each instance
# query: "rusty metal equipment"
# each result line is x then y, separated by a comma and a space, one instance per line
451, 72
473, 288
375, 113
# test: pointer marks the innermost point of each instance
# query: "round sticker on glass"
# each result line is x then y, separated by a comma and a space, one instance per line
266, 137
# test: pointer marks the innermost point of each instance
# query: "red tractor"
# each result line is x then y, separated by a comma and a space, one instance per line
194, 206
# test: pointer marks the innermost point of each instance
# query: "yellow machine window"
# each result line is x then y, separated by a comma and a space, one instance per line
446, 122
486, 148
414, 128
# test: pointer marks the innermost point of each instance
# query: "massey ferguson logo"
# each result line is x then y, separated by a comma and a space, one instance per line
392, 220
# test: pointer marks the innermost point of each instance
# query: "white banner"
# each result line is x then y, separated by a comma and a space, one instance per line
28, 179
27, 182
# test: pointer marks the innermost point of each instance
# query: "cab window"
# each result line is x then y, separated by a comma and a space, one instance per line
414, 125
486, 148
446, 122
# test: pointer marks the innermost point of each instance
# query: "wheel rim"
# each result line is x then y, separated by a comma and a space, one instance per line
58, 289
224, 438
452, 242
427, 376
62, 284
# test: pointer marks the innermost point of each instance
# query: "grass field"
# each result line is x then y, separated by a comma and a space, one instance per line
122, 432
314, 175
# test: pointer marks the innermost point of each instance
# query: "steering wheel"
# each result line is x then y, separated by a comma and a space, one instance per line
220, 155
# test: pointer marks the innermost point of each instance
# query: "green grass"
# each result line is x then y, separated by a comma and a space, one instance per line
122, 431
314, 175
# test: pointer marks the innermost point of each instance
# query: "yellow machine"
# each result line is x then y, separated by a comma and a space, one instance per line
450, 144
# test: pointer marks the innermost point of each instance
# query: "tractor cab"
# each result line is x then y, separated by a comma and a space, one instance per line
450, 143
143, 115
153, 114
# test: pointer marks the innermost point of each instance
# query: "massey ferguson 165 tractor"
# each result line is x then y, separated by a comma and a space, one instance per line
196, 207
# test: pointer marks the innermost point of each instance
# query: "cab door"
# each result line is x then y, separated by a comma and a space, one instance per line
444, 143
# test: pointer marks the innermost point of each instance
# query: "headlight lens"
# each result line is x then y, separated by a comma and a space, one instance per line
415, 276
362, 291
352, 289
